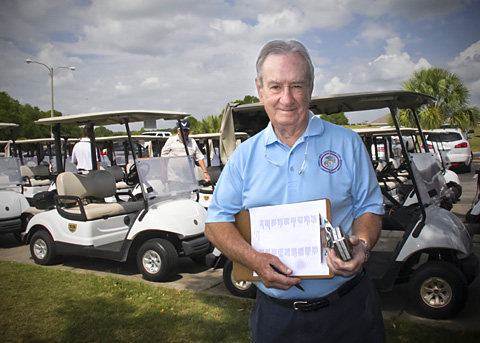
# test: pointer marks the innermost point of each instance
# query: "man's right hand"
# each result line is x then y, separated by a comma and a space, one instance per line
269, 277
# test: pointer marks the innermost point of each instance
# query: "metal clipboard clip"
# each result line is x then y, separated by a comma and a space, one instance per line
338, 241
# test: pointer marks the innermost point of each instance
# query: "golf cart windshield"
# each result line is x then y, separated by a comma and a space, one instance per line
167, 177
9, 172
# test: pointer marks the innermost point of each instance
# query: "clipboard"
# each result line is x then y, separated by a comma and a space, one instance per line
242, 223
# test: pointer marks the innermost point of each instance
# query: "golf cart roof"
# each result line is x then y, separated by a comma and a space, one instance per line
112, 117
368, 101
38, 140
134, 137
252, 118
351, 102
385, 131
241, 135
5, 125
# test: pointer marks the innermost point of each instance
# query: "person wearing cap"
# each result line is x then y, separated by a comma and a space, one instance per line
174, 147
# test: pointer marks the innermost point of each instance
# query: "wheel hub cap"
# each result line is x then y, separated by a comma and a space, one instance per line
241, 285
151, 261
436, 292
40, 249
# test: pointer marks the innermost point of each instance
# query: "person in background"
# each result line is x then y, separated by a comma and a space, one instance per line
174, 147
81, 153
104, 160
299, 157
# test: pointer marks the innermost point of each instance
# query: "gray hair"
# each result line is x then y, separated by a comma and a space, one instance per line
280, 47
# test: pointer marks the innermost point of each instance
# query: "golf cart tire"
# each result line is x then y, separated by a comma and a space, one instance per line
456, 190
157, 260
25, 219
244, 289
42, 248
471, 218
438, 290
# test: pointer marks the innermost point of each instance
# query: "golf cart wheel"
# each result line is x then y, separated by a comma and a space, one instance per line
244, 289
438, 290
25, 219
471, 218
42, 248
456, 190
157, 260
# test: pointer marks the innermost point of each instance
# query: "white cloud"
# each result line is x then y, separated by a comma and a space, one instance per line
467, 63
335, 86
467, 66
152, 83
375, 31
195, 56
123, 89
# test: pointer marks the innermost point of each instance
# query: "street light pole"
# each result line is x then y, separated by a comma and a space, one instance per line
50, 72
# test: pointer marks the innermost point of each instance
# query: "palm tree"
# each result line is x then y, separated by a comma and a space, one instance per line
451, 99
211, 124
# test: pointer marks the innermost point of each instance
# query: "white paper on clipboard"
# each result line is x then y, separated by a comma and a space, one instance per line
292, 232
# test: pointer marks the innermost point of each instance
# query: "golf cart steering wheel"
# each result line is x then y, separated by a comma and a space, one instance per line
132, 176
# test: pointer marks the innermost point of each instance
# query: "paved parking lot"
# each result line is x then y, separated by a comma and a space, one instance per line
193, 276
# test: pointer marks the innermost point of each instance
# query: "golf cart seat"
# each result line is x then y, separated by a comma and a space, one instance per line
37, 175
119, 176
81, 197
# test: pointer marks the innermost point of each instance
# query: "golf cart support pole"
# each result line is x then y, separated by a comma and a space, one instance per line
395, 111
142, 186
16, 148
58, 148
93, 146
183, 137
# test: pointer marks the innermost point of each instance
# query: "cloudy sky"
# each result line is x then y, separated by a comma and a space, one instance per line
197, 55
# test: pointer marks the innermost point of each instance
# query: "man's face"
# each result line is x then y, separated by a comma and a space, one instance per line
286, 90
185, 132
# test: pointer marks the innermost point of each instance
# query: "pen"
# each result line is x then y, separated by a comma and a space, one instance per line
280, 272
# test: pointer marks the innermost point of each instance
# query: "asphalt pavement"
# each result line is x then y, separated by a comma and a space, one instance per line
195, 277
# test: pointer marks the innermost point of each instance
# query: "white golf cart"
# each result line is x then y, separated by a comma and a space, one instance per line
14, 207
435, 253
38, 164
156, 230
209, 143
388, 161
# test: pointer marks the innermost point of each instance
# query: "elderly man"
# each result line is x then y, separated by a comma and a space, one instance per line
174, 147
285, 163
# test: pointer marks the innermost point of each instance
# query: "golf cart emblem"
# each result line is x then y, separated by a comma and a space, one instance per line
72, 227
330, 161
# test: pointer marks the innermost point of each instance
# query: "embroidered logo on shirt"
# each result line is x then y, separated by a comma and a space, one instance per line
330, 161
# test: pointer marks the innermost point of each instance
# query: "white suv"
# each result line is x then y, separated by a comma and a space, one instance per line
455, 143
157, 133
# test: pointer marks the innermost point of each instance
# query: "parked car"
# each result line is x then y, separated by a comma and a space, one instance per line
456, 145
157, 133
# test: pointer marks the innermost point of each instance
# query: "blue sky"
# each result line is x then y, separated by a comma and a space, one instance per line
195, 56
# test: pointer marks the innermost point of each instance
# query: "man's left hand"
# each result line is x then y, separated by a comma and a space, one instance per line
339, 267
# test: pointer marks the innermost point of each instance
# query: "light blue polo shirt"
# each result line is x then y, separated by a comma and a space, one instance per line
263, 171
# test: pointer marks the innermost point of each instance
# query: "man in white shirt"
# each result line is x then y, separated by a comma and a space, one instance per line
81, 153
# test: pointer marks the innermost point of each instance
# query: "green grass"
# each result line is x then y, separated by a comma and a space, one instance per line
475, 141
42, 304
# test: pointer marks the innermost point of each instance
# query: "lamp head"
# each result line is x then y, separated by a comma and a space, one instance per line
28, 60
